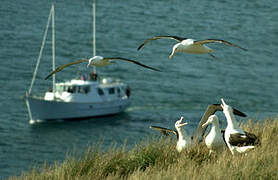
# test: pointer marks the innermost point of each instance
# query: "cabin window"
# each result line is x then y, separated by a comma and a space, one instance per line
86, 89
71, 89
74, 89
79, 89
100, 92
111, 91
118, 90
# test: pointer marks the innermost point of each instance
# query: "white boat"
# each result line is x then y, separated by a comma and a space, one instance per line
77, 98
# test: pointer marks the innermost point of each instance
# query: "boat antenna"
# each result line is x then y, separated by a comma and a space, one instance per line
94, 31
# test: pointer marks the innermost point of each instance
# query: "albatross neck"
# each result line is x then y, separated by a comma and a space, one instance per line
180, 134
215, 126
231, 121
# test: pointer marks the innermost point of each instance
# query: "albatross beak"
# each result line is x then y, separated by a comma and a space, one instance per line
91, 62
235, 111
223, 103
172, 54
205, 125
183, 124
180, 122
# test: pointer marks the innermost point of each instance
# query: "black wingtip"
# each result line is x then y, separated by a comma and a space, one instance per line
154, 69
157, 70
239, 113
242, 48
46, 77
245, 49
140, 47
235, 111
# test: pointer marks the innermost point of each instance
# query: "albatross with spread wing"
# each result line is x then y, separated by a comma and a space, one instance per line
99, 61
191, 46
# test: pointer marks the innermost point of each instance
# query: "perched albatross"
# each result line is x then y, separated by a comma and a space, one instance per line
99, 61
190, 45
237, 140
215, 138
184, 141
211, 109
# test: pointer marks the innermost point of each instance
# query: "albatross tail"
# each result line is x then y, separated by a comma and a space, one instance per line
244, 149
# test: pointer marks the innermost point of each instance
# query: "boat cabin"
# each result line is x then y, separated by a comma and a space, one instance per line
84, 91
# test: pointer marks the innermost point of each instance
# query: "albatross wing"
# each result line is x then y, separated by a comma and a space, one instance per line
133, 61
211, 109
240, 140
60, 68
164, 131
217, 107
179, 39
218, 41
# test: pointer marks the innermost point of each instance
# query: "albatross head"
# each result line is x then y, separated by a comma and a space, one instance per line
176, 48
93, 60
226, 108
179, 123
212, 119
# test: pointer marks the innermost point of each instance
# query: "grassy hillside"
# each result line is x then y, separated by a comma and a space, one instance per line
158, 159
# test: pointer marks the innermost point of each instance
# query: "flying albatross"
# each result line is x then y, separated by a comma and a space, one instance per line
215, 138
190, 45
237, 140
184, 141
211, 109
99, 61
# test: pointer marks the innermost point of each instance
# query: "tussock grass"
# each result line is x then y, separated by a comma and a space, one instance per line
158, 159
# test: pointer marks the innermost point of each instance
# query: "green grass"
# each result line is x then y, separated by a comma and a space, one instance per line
158, 159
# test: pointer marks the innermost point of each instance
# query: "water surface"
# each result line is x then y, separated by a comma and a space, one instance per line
188, 84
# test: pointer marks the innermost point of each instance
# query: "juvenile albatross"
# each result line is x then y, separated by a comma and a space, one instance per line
99, 61
190, 45
237, 140
184, 141
215, 139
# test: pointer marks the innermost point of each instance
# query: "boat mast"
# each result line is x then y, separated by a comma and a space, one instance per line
94, 31
53, 48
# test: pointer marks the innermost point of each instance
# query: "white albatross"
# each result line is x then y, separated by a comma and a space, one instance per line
215, 138
200, 131
184, 141
211, 109
191, 46
238, 141
99, 61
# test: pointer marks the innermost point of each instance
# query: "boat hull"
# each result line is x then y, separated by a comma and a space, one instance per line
41, 109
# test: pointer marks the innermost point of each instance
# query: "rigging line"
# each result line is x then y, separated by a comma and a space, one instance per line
41, 50
28, 108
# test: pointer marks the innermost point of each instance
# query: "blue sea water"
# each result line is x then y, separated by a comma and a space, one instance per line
187, 85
